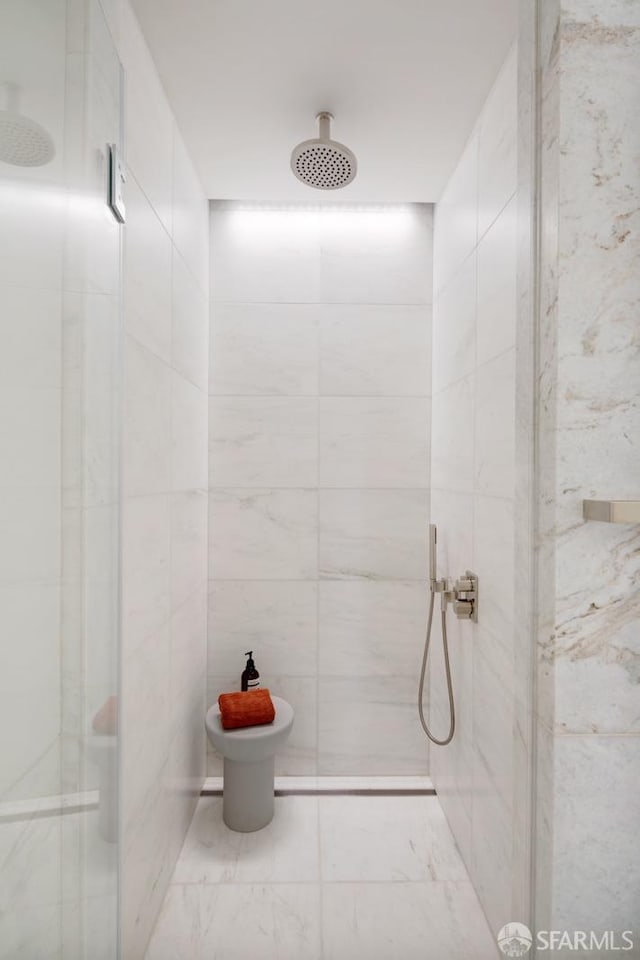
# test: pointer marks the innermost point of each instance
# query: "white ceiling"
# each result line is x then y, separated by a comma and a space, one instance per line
404, 79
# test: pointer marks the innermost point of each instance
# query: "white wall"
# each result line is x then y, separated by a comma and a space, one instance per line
319, 411
473, 492
164, 489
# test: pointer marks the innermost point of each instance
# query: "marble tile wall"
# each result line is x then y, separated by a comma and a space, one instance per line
165, 505
318, 444
589, 625
473, 487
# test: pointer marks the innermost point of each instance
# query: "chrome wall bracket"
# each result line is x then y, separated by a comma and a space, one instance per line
117, 178
612, 511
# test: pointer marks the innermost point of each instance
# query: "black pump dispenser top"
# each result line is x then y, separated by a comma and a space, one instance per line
250, 677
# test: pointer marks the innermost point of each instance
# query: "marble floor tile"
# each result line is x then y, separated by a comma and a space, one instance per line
390, 885
284, 851
404, 921
238, 922
386, 839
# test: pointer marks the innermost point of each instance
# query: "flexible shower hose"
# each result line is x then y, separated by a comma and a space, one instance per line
447, 667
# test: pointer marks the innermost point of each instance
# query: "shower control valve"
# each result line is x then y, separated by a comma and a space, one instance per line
462, 594
465, 604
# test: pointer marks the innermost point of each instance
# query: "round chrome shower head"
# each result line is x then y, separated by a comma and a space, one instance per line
23, 142
324, 163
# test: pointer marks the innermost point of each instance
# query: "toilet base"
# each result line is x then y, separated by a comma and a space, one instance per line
247, 794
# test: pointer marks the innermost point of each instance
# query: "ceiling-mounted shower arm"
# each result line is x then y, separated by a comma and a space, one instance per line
324, 119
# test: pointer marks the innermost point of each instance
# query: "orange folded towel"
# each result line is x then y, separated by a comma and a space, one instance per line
246, 709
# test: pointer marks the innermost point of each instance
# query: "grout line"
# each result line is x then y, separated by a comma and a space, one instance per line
325, 578
337, 792
322, 396
318, 334
386, 305
404, 881
471, 373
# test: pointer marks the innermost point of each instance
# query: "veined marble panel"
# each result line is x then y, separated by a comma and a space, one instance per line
493, 559
456, 218
589, 420
147, 421
452, 457
373, 534
286, 851
497, 161
375, 256
454, 327
263, 534
409, 919
497, 285
375, 443
187, 655
495, 426
371, 628
149, 856
371, 722
189, 465
264, 255
374, 350
596, 811
190, 325
196, 919
190, 215
189, 547
384, 839
149, 124
146, 707
263, 442
264, 349
146, 545
278, 620
147, 274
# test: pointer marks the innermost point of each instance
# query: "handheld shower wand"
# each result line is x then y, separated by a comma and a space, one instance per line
433, 589
433, 555
464, 597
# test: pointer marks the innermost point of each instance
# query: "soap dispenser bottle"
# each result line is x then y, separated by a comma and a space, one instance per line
250, 677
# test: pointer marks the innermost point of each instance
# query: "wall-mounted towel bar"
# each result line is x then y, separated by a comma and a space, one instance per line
612, 511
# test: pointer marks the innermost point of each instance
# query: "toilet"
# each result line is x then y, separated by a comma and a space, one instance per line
247, 798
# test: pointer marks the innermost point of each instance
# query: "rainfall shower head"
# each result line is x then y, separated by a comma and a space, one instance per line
23, 142
324, 163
